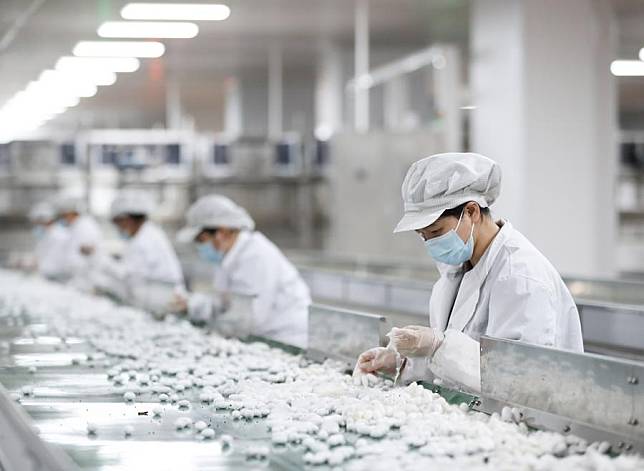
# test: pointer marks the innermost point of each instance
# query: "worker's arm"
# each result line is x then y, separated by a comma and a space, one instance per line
456, 360
260, 278
520, 309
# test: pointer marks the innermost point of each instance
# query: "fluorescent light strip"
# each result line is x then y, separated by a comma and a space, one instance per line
175, 11
627, 68
149, 49
97, 77
73, 78
111, 64
146, 29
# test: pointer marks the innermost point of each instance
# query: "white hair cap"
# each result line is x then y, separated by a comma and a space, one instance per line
212, 212
132, 202
42, 212
70, 204
445, 181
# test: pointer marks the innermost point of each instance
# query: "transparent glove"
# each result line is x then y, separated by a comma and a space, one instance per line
200, 308
87, 250
377, 359
415, 340
179, 303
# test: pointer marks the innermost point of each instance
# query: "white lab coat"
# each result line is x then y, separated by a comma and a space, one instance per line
50, 252
84, 232
513, 293
254, 266
148, 258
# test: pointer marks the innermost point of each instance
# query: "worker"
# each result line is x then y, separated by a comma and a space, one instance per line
148, 256
50, 241
247, 263
84, 247
493, 281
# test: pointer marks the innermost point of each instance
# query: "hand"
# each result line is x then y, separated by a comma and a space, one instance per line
415, 340
377, 359
87, 250
179, 304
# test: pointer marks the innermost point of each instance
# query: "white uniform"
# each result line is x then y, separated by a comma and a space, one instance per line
149, 255
50, 252
512, 293
84, 232
256, 267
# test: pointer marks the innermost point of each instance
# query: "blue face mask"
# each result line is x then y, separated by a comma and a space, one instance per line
124, 235
38, 232
210, 254
450, 248
63, 223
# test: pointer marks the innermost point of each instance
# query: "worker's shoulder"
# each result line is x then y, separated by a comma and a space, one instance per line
153, 230
152, 236
257, 244
86, 224
58, 233
521, 260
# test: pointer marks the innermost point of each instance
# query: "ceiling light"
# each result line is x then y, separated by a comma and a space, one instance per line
175, 11
119, 49
51, 82
96, 77
112, 64
146, 29
624, 68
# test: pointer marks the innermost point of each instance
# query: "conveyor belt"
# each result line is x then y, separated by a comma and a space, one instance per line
67, 397
71, 388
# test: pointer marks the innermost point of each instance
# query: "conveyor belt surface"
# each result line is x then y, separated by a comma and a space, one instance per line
266, 408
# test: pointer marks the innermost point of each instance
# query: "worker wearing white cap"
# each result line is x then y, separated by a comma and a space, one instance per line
50, 241
247, 263
85, 243
493, 280
148, 255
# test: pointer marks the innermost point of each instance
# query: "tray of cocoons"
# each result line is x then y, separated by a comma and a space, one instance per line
110, 387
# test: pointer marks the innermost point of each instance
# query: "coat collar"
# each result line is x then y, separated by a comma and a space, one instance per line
470, 287
242, 240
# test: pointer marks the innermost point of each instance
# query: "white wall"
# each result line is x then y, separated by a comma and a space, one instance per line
546, 112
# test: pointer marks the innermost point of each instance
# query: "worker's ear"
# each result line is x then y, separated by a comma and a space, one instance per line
474, 212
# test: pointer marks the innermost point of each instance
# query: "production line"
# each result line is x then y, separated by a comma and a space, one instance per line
192, 399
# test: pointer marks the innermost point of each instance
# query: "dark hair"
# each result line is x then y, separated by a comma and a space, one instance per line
138, 218
210, 230
458, 210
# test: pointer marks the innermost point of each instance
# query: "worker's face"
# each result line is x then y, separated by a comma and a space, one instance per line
69, 218
471, 216
125, 225
222, 239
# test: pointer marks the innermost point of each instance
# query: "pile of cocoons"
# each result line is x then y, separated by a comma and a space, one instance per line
315, 409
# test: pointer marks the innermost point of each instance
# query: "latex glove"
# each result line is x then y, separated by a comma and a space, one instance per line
87, 250
377, 359
416, 340
200, 308
179, 304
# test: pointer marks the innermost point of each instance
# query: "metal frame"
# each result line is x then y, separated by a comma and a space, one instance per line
20, 447
596, 396
607, 326
343, 334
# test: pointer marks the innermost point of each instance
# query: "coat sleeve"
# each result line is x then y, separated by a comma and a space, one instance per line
264, 278
522, 309
51, 260
456, 362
